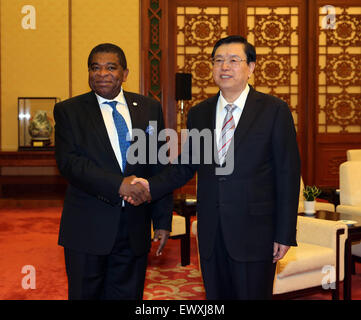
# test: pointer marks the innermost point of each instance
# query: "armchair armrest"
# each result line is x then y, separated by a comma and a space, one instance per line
349, 209
318, 231
320, 243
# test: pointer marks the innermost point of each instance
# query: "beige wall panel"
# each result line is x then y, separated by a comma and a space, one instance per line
34, 62
95, 22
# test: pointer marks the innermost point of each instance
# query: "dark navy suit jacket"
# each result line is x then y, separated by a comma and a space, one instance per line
256, 205
85, 157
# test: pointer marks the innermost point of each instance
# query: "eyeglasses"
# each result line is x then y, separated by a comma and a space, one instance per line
233, 62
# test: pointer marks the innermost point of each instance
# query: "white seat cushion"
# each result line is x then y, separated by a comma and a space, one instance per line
305, 257
178, 225
194, 227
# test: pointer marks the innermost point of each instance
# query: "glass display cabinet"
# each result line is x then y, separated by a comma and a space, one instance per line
36, 123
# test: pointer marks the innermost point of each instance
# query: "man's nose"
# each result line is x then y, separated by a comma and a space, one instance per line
226, 64
103, 71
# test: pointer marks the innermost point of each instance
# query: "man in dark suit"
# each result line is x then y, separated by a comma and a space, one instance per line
247, 197
106, 240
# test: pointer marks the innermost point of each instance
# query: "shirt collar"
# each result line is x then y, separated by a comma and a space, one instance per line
239, 102
119, 98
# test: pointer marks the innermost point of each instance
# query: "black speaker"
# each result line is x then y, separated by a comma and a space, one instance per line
183, 86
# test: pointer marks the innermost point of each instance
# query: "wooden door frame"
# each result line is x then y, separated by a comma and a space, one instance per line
162, 34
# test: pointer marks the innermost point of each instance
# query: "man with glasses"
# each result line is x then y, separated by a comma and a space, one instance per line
246, 219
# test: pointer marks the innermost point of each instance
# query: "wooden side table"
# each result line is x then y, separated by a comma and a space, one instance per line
185, 205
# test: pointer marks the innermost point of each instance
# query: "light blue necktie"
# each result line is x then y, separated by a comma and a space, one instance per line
122, 130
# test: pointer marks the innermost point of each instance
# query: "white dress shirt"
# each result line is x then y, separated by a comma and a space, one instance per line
107, 113
221, 112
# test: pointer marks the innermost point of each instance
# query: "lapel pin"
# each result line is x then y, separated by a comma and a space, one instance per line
135, 104
150, 130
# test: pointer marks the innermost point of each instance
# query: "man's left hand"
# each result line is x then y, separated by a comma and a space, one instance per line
161, 235
279, 251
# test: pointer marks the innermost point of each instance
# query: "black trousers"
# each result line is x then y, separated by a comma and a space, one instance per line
117, 276
227, 279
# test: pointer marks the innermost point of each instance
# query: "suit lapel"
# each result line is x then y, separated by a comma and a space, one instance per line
135, 110
249, 114
93, 109
210, 123
210, 115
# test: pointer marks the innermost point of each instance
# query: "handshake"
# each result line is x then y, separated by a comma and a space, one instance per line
135, 190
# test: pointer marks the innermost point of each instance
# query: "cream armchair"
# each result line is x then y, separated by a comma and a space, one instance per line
350, 193
350, 188
353, 155
315, 262
318, 206
317, 259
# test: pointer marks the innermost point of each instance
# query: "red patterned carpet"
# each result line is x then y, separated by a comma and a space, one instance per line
167, 280
28, 239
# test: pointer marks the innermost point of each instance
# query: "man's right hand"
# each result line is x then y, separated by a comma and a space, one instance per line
142, 181
134, 191
138, 181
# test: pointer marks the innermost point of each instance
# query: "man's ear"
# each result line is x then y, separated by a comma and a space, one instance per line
125, 74
251, 67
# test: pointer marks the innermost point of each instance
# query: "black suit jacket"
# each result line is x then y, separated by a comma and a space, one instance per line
85, 157
257, 203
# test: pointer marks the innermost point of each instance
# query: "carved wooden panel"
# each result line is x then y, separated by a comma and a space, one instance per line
339, 76
338, 88
198, 28
329, 158
315, 69
274, 31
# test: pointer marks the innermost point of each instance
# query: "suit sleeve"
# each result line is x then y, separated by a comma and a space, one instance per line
161, 209
79, 170
287, 170
175, 174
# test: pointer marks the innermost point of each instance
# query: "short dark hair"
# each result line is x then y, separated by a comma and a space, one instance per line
109, 47
248, 48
